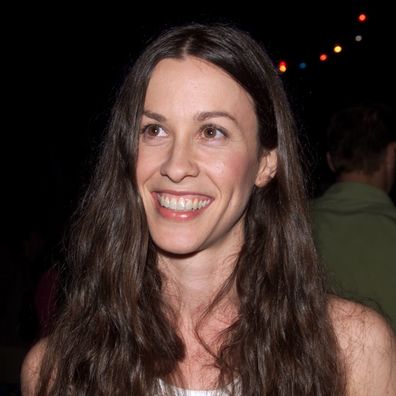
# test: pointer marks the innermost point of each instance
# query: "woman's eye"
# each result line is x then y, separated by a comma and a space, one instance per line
212, 133
153, 131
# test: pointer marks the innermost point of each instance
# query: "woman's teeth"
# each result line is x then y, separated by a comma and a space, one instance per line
182, 204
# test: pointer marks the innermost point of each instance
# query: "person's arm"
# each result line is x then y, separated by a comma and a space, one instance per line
368, 347
31, 369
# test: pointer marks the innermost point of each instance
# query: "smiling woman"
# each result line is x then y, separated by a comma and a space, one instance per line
192, 264
199, 161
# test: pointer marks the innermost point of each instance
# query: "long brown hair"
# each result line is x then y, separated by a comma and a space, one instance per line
114, 336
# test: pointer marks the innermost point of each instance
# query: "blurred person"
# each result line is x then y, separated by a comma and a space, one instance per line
355, 219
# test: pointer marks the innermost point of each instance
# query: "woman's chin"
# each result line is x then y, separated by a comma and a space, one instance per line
178, 249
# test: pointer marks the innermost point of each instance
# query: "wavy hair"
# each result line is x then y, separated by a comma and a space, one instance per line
114, 335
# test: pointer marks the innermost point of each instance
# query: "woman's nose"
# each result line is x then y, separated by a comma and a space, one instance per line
180, 162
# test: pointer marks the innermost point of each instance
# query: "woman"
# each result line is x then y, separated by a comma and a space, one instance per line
192, 260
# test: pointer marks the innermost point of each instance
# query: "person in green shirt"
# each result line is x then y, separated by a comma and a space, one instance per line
354, 221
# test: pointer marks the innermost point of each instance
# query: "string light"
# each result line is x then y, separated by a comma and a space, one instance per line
337, 48
362, 17
323, 56
282, 66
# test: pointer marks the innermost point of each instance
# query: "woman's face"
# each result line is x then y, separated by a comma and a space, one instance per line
197, 161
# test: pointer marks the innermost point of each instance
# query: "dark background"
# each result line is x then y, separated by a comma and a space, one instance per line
70, 63
63, 67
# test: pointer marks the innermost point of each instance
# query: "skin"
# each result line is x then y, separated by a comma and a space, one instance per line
368, 349
181, 156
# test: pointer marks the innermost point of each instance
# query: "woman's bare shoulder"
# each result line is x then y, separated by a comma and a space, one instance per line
31, 368
368, 348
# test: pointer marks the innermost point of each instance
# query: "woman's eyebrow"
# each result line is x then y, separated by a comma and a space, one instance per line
154, 116
205, 115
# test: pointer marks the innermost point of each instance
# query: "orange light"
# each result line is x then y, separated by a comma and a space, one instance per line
362, 17
323, 57
282, 66
337, 48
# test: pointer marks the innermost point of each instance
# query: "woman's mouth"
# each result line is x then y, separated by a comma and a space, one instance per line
183, 206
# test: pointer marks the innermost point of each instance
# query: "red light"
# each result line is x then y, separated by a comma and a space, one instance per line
282, 66
362, 17
323, 57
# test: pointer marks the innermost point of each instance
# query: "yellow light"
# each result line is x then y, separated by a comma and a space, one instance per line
362, 17
337, 49
323, 57
282, 66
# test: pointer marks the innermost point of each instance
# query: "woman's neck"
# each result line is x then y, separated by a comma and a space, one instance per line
192, 282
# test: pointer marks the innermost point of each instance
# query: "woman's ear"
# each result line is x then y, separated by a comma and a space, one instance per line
267, 168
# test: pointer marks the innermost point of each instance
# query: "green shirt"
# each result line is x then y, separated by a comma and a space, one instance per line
355, 232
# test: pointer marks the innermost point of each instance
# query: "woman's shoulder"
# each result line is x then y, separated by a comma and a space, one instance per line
31, 368
368, 348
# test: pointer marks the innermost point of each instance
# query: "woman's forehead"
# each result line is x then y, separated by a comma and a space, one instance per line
192, 85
